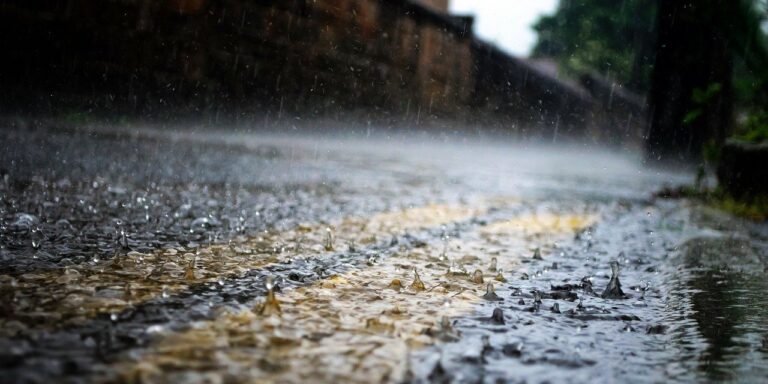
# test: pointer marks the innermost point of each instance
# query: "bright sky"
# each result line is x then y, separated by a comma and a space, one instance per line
507, 23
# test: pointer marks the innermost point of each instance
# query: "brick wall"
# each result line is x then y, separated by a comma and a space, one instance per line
396, 61
289, 56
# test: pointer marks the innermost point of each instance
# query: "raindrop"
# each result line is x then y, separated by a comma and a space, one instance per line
445, 324
477, 277
270, 306
613, 289
490, 293
537, 297
36, 237
457, 270
497, 317
372, 260
154, 329
189, 273
417, 284
444, 254
329, 239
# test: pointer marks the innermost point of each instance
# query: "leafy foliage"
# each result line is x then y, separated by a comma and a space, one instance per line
613, 37
701, 98
755, 129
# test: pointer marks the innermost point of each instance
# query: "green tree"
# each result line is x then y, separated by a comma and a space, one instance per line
700, 62
692, 93
613, 37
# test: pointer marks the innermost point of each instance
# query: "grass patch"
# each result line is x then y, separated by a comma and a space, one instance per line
753, 207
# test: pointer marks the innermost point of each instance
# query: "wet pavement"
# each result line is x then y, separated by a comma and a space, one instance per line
198, 255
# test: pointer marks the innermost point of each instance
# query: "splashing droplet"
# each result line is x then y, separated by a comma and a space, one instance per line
497, 317
127, 291
457, 270
444, 255
329, 239
492, 268
417, 284
396, 284
189, 273
613, 290
477, 277
490, 293
270, 306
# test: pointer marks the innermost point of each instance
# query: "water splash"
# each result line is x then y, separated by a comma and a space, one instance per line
417, 284
329, 239
613, 290
270, 306
477, 277
490, 293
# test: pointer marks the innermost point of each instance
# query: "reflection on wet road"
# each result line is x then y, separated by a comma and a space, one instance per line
147, 257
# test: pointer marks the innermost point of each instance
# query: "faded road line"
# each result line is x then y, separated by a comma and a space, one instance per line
72, 296
356, 326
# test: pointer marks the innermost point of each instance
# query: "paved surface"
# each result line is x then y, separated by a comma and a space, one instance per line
184, 255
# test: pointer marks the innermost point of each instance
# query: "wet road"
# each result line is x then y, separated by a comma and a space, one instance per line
145, 255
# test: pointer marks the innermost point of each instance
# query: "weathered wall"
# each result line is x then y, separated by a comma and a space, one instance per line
323, 56
438, 5
623, 114
396, 61
530, 101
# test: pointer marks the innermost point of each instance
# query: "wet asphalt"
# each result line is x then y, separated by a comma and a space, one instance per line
80, 203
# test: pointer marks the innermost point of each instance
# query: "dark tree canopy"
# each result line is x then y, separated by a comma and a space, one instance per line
613, 37
698, 61
692, 92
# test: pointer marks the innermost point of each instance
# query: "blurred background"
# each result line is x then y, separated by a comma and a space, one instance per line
534, 68
681, 82
675, 77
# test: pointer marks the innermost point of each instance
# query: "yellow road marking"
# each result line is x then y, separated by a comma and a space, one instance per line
355, 327
55, 298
